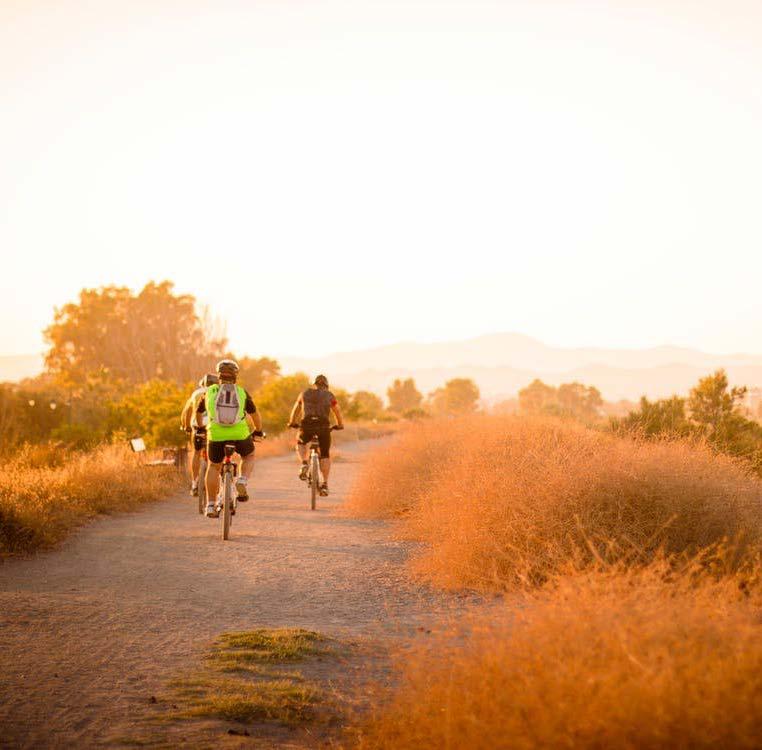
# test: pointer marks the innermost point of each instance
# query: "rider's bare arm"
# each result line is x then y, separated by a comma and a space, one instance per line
200, 413
252, 415
186, 417
296, 410
337, 413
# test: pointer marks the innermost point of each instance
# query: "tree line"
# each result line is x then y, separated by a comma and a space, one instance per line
121, 363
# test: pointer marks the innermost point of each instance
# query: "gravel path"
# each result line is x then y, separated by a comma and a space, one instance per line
89, 631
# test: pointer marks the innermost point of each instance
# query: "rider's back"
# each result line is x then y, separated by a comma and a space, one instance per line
191, 406
317, 405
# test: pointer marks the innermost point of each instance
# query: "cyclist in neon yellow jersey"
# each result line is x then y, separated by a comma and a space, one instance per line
227, 405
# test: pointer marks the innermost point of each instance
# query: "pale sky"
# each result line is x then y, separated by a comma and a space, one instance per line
332, 176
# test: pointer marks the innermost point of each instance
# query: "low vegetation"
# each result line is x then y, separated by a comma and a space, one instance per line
634, 569
47, 492
243, 680
262, 645
644, 657
712, 412
507, 502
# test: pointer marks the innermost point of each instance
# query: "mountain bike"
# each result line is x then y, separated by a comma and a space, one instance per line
314, 475
228, 471
227, 499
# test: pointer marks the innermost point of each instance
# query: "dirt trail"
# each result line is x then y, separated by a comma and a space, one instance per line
89, 631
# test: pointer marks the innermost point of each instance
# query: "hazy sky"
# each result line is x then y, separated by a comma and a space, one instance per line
336, 175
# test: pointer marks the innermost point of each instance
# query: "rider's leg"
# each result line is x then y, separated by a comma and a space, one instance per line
301, 455
324, 438
247, 466
245, 450
195, 465
325, 468
212, 482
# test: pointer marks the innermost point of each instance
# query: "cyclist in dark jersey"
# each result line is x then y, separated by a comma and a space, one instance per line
315, 406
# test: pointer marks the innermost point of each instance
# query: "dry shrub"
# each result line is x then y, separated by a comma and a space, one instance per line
634, 658
507, 502
39, 505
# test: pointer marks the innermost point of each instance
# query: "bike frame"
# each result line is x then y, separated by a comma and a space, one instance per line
228, 472
314, 477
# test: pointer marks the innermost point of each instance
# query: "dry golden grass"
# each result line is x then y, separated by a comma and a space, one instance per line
506, 502
631, 658
40, 503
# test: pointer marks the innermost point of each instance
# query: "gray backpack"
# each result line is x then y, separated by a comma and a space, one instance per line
227, 405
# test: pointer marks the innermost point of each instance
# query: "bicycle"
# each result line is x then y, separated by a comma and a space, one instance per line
228, 471
227, 499
314, 475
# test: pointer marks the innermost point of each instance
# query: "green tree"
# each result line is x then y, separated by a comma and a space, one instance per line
343, 398
537, 397
712, 403
364, 405
256, 372
715, 409
275, 399
152, 410
654, 418
579, 401
403, 396
458, 396
29, 415
113, 333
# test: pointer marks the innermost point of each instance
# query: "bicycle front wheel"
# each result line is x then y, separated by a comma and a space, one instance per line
227, 505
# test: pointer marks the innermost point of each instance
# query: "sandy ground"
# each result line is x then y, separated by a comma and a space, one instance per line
90, 631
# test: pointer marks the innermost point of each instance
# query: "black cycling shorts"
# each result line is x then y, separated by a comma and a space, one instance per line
198, 439
216, 450
323, 435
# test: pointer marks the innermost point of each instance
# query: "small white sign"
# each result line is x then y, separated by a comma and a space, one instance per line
138, 445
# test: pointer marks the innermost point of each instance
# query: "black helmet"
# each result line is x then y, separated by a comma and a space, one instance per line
227, 367
209, 379
321, 381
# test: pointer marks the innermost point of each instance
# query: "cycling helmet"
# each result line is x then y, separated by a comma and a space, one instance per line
321, 381
209, 379
227, 367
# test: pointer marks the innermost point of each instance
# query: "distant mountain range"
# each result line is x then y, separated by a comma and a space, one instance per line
501, 364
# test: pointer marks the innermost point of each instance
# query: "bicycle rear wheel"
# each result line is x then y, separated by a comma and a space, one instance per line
314, 480
227, 504
202, 487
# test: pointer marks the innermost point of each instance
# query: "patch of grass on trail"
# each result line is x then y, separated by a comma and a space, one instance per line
247, 677
286, 700
263, 645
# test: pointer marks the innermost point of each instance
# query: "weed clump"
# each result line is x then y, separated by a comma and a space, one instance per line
41, 502
630, 658
509, 502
